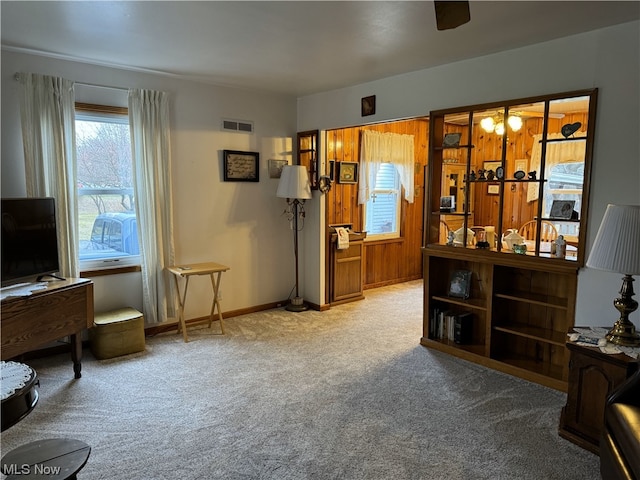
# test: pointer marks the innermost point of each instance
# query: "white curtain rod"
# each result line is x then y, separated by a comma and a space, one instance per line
17, 78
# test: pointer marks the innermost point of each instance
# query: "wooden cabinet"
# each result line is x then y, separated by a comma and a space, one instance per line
510, 166
347, 269
520, 313
63, 308
593, 375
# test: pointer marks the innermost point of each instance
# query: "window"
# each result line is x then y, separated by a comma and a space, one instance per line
107, 224
382, 210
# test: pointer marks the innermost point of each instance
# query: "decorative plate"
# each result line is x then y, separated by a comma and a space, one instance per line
569, 129
500, 173
519, 175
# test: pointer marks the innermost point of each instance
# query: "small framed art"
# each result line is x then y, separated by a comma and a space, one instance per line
241, 166
493, 189
368, 105
562, 209
460, 284
451, 140
275, 168
347, 172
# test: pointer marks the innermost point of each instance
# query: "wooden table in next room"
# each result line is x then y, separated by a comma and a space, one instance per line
214, 270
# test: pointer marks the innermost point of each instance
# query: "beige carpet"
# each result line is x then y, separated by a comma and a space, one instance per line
344, 394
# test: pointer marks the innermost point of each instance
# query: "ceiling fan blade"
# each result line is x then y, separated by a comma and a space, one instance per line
451, 14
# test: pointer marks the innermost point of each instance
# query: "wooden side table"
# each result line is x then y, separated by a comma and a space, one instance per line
214, 270
593, 375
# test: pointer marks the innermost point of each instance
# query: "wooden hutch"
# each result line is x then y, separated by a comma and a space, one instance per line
507, 164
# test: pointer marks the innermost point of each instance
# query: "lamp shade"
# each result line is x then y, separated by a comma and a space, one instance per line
294, 183
617, 244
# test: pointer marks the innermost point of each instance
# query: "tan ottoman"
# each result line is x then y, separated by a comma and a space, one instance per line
116, 333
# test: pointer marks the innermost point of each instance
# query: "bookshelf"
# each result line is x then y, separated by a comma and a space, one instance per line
520, 306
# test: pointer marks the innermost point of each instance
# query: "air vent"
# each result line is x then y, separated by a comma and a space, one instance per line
237, 125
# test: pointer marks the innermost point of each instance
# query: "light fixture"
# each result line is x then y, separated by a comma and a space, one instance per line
295, 187
617, 249
496, 124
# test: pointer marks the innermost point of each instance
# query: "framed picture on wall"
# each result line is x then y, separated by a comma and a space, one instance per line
347, 172
275, 168
240, 166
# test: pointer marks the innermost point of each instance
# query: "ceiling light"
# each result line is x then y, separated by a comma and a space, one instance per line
496, 124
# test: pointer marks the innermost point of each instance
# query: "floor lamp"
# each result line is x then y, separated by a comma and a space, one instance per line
295, 187
617, 249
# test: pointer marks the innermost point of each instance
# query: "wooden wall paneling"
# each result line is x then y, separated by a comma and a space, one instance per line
388, 261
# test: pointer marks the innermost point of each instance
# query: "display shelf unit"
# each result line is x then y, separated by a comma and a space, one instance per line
521, 306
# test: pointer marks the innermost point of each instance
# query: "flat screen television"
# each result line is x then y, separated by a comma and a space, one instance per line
29, 239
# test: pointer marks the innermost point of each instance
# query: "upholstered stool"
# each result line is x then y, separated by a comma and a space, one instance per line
116, 333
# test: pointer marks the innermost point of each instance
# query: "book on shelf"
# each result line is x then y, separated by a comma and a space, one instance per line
448, 325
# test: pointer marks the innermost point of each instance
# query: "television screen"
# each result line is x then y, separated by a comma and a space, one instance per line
29, 240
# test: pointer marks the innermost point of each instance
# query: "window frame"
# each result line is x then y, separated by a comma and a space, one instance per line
98, 112
398, 190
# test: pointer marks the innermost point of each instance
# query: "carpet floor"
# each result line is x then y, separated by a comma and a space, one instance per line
344, 394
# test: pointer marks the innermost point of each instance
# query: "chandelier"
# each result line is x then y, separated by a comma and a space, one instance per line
496, 124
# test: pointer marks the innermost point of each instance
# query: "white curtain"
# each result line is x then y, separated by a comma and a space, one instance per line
377, 148
149, 119
47, 110
557, 152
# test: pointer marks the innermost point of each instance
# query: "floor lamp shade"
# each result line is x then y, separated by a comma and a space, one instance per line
617, 249
294, 183
295, 187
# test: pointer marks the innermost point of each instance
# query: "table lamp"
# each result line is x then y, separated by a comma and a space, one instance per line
617, 249
295, 187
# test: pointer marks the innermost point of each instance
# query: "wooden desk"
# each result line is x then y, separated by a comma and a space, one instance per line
63, 308
214, 270
593, 375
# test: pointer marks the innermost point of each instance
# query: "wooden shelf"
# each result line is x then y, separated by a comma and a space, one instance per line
472, 303
534, 333
540, 368
542, 300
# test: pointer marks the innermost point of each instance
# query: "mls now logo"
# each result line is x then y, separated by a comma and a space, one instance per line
26, 469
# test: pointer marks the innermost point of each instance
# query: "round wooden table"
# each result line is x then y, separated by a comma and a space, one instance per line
53, 459
19, 392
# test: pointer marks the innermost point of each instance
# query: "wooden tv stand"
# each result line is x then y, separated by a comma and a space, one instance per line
63, 308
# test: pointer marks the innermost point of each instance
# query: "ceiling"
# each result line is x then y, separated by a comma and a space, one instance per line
290, 47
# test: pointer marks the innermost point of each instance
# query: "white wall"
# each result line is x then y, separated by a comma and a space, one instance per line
607, 59
237, 224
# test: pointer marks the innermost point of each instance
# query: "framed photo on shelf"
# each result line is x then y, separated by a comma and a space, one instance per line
460, 284
451, 139
447, 204
562, 209
275, 168
347, 172
241, 166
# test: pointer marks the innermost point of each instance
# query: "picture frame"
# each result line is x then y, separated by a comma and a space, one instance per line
520, 165
275, 167
451, 140
492, 165
368, 105
347, 172
562, 209
460, 284
447, 204
493, 189
307, 155
240, 166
